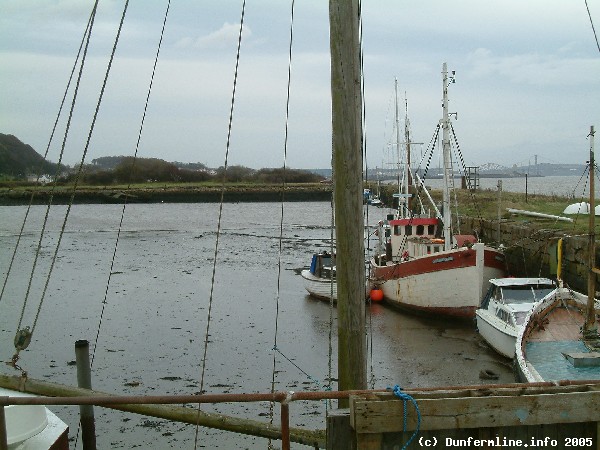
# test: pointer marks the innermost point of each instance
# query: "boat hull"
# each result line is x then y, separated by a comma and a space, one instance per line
498, 334
321, 288
552, 331
448, 283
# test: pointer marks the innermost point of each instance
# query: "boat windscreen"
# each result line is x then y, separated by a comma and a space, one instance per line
525, 294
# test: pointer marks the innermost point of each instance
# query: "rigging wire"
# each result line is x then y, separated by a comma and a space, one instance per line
22, 344
283, 187
81, 164
368, 312
220, 216
45, 157
592, 24
128, 188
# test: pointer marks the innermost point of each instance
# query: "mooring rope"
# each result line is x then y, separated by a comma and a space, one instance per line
405, 398
220, 216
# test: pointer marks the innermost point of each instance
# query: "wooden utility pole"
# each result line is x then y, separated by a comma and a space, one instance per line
346, 106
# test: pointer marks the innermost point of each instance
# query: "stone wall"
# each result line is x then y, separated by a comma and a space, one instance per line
527, 249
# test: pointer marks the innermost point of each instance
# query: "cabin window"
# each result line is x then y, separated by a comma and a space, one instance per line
503, 315
420, 230
436, 249
429, 249
431, 229
397, 230
408, 230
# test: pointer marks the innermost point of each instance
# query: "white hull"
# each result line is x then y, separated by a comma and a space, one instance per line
319, 287
501, 336
33, 427
452, 290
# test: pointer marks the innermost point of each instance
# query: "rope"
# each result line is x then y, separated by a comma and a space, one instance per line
464, 168
128, 188
39, 173
283, 186
216, 252
368, 312
80, 170
592, 23
405, 398
54, 185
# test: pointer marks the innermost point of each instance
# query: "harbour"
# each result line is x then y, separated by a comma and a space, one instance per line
155, 318
164, 290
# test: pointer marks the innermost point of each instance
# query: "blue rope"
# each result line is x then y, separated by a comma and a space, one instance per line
405, 397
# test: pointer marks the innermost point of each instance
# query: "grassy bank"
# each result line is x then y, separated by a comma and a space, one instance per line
166, 193
490, 205
478, 204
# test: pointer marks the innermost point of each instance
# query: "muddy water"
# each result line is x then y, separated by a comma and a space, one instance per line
151, 321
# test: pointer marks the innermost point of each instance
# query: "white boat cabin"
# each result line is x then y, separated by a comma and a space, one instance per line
415, 237
322, 265
511, 299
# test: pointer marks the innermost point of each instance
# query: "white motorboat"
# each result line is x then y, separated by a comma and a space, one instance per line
319, 279
505, 307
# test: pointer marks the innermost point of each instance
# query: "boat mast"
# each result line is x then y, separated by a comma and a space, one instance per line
402, 188
447, 163
346, 103
408, 169
590, 327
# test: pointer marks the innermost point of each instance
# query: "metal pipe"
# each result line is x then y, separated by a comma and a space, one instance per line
84, 380
110, 400
285, 425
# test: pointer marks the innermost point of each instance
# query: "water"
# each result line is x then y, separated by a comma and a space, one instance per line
152, 321
549, 360
576, 186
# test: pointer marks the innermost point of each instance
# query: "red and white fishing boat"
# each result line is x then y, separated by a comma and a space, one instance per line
427, 268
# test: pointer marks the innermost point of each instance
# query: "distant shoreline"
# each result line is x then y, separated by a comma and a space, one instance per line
166, 194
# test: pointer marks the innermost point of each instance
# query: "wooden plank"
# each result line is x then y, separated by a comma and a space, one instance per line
339, 433
370, 416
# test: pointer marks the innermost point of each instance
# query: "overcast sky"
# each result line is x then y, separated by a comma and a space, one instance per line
527, 78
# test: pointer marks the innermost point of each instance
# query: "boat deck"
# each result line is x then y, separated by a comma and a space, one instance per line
564, 325
547, 344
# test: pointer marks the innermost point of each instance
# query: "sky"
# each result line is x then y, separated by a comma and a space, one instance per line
527, 79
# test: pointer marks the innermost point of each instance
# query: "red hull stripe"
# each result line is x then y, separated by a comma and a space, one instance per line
436, 263
415, 221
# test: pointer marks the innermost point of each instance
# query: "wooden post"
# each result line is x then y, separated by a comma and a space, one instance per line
84, 380
590, 320
499, 239
347, 175
339, 431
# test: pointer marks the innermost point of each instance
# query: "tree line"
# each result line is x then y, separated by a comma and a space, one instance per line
153, 170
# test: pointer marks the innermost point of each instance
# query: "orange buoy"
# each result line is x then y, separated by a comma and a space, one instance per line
376, 294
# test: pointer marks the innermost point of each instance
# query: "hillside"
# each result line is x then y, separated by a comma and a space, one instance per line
19, 160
